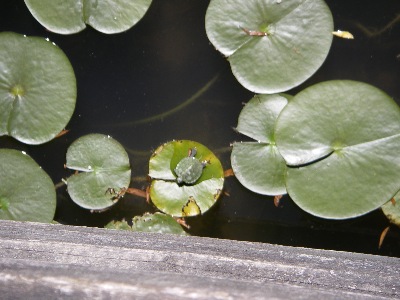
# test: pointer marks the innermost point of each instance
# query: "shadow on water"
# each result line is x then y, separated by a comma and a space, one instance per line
166, 67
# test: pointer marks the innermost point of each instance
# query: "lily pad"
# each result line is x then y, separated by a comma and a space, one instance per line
104, 171
258, 165
26, 191
182, 199
342, 139
118, 225
391, 209
107, 16
272, 46
37, 88
157, 222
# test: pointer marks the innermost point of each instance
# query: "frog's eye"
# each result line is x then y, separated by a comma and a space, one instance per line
191, 208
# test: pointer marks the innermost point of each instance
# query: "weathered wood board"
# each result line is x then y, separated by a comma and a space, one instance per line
45, 261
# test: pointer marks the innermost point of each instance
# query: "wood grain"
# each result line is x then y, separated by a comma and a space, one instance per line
46, 261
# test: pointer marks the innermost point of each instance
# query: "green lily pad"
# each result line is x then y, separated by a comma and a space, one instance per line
392, 210
157, 222
118, 225
107, 16
181, 199
26, 191
342, 139
37, 88
258, 165
104, 171
272, 46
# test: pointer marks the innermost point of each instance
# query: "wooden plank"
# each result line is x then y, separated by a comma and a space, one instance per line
55, 261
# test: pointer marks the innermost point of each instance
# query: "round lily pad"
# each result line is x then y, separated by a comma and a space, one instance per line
181, 199
104, 171
258, 165
107, 16
272, 46
37, 88
26, 191
342, 139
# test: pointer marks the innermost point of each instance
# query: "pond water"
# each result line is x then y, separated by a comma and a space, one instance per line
163, 61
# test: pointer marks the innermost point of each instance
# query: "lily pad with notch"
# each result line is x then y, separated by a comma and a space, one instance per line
37, 88
104, 171
107, 16
258, 165
182, 199
272, 46
27, 193
342, 140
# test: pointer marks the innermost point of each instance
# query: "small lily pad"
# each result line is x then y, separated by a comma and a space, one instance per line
118, 225
37, 88
26, 191
258, 165
104, 171
180, 199
272, 46
107, 16
342, 141
157, 222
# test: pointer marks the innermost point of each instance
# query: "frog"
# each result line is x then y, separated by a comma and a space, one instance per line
189, 169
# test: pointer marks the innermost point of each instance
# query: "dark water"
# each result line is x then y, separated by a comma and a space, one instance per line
159, 64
